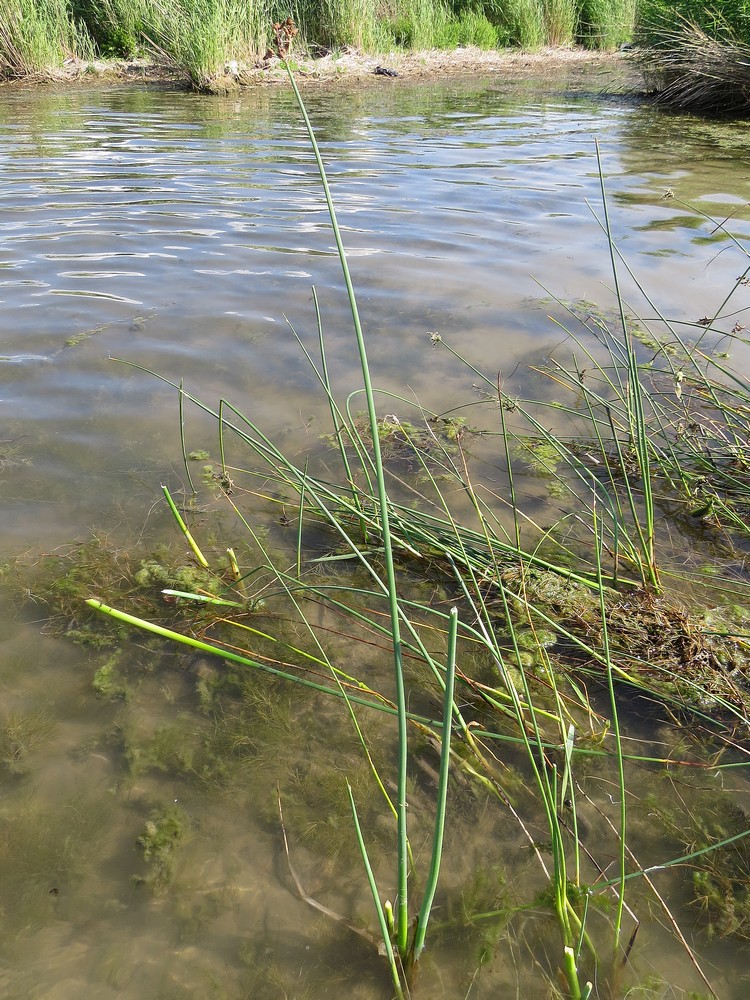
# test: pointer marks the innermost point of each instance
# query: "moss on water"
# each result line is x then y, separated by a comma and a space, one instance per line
696, 657
187, 577
80, 338
540, 458
404, 442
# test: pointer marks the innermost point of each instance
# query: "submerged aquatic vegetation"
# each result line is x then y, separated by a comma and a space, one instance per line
60, 581
22, 734
43, 845
720, 878
163, 833
108, 682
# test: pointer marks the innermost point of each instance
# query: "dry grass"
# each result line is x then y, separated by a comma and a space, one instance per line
692, 71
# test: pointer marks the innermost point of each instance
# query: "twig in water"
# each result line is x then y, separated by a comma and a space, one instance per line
309, 899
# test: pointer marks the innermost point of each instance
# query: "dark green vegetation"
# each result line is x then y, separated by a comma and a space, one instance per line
204, 37
697, 56
325, 625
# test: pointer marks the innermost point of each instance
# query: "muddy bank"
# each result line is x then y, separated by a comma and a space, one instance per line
602, 71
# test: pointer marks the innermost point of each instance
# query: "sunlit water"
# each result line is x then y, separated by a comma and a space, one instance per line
180, 233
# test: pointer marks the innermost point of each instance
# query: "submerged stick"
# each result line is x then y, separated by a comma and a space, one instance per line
309, 899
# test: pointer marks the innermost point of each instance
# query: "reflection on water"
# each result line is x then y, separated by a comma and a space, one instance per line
178, 232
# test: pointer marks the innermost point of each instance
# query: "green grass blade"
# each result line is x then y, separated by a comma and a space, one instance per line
403, 903
442, 791
383, 921
181, 406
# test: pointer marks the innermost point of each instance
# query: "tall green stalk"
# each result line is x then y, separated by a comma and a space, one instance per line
442, 791
402, 908
638, 428
383, 920
618, 752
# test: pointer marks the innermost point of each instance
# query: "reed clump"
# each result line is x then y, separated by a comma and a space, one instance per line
696, 58
656, 16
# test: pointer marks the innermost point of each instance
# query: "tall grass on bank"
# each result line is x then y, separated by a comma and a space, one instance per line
39, 34
202, 36
691, 69
606, 24
696, 56
538, 615
655, 18
523, 22
120, 28
560, 18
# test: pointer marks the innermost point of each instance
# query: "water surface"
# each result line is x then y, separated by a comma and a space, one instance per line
183, 234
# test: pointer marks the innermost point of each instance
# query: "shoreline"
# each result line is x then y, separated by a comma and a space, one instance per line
609, 71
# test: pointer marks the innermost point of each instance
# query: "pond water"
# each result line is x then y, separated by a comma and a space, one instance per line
178, 232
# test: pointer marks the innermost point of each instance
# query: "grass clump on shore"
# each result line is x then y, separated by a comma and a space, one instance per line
696, 57
656, 16
215, 42
38, 34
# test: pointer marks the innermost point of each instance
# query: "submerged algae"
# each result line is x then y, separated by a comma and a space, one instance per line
162, 834
22, 734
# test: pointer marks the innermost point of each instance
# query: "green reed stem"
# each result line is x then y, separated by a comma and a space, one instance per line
618, 744
246, 661
234, 565
402, 921
639, 431
442, 790
300, 521
181, 415
340, 429
222, 453
184, 528
383, 921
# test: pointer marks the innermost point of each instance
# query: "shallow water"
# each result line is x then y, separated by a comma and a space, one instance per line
177, 232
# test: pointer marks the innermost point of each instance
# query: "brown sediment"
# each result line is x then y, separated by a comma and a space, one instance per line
606, 71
